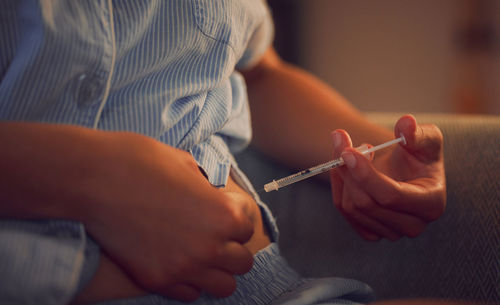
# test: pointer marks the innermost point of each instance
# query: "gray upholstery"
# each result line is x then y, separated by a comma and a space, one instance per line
457, 257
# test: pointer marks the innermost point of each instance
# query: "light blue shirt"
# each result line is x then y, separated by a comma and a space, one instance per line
165, 69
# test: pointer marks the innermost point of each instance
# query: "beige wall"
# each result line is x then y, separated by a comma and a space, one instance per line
392, 55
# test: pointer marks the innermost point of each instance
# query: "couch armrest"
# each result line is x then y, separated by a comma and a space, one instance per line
457, 257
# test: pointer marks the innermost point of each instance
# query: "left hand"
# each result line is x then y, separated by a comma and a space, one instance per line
397, 194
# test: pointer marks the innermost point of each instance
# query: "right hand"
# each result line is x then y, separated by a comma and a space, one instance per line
400, 192
156, 215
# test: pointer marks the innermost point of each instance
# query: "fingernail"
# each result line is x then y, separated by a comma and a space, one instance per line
349, 159
337, 140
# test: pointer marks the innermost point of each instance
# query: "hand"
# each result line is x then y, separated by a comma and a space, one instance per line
111, 282
157, 216
397, 194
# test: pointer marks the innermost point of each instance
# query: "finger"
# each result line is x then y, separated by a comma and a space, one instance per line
242, 217
398, 222
424, 141
216, 282
355, 198
234, 258
417, 197
182, 292
363, 232
402, 223
337, 185
371, 155
340, 140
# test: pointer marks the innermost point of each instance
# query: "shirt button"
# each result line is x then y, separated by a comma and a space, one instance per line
89, 88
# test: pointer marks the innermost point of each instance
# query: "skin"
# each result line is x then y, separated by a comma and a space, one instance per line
147, 204
397, 194
164, 229
111, 282
400, 192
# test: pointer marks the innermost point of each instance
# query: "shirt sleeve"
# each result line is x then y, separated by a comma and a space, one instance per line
44, 262
260, 41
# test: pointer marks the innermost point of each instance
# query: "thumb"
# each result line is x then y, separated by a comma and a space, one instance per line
424, 141
244, 213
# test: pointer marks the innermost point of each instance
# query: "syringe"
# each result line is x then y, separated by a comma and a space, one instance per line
321, 168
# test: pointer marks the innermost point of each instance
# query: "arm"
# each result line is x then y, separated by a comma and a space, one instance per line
293, 115
137, 197
111, 282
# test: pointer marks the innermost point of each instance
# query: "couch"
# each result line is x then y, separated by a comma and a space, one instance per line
457, 257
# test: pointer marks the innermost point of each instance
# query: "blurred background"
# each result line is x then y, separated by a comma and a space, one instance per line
398, 55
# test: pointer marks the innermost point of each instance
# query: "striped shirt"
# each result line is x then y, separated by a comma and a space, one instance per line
166, 69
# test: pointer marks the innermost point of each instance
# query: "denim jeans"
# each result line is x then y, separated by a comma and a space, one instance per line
46, 262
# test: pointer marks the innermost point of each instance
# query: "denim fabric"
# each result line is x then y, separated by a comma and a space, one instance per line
41, 262
272, 281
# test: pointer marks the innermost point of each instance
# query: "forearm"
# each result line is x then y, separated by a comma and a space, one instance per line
135, 196
293, 114
46, 170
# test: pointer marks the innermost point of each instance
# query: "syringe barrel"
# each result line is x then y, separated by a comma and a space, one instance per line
318, 169
364, 149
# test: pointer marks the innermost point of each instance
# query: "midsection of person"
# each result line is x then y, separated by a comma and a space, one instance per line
121, 67
111, 282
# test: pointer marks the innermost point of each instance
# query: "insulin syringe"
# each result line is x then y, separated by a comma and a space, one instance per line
321, 168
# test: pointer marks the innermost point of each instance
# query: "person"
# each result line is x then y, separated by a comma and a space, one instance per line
118, 122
